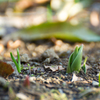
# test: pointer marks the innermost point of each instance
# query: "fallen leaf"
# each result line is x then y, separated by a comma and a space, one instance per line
54, 67
5, 69
75, 78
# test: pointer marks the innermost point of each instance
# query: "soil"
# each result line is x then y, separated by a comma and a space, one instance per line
52, 83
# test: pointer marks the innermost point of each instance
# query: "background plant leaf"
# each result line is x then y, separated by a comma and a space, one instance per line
58, 30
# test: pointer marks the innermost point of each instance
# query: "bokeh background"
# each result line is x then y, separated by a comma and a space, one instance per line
23, 13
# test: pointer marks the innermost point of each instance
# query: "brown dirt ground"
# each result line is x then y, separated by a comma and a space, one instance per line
47, 84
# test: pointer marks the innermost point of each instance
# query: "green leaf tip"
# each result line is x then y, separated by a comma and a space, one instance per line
74, 63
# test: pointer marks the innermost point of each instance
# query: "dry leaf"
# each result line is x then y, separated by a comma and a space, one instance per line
55, 67
75, 78
5, 69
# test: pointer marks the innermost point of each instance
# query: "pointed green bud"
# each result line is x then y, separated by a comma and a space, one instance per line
74, 63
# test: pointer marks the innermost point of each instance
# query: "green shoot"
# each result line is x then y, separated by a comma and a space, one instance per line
99, 79
18, 57
18, 65
84, 66
74, 63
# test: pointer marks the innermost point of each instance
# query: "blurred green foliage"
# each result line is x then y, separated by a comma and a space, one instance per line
58, 30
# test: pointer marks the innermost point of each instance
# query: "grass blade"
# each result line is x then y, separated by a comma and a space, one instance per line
15, 62
18, 57
99, 79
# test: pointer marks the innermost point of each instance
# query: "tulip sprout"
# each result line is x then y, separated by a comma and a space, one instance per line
74, 63
18, 65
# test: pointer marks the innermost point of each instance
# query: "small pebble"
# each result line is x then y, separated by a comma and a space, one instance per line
1, 48
50, 53
22, 96
24, 58
61, 91
2, 82
95, 83
15, 44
